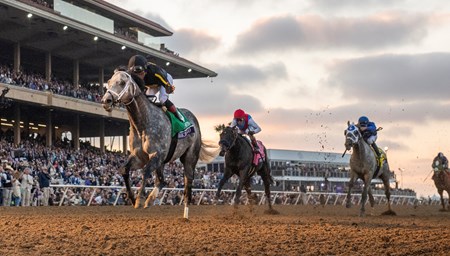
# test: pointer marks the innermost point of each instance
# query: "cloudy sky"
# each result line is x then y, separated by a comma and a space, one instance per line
303, 68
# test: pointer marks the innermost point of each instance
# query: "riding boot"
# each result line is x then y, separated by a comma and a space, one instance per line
255, 144
377, 151
171, 107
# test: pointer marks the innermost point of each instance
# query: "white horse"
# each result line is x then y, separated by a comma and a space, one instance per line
363, 165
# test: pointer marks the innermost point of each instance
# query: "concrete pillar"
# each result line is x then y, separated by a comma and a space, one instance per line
125, 143
16, 57
76, 132
101, 79
76, 73
16, 124
48, 66
49, 129
102, 135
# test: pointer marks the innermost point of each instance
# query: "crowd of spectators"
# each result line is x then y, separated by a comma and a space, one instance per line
35, 81
86, 167
40, 3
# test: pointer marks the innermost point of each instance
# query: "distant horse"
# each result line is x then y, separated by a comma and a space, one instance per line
363, 164
150, 139
238, 160
442, 182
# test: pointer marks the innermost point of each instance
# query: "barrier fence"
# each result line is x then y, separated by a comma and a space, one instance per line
174, 196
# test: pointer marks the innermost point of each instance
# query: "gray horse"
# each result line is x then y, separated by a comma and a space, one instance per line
150, 139
363, 165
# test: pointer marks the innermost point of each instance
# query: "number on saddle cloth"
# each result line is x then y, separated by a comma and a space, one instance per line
183, 129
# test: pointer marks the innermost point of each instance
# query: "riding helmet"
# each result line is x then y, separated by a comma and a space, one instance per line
137, 63
239, 113
363, 121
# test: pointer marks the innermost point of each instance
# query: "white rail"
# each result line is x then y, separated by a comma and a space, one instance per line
277, 197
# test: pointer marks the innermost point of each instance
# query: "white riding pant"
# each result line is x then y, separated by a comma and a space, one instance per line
153, 90
372, 139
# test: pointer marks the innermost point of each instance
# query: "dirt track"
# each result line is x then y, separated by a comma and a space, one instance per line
218, 230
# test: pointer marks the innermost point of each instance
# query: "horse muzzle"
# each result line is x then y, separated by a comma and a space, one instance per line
224, 146
348, 145
107, 103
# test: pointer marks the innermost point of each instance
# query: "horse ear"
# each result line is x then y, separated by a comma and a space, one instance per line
348, 123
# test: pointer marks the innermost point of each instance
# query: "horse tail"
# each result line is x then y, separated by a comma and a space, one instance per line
266, 162
208, 151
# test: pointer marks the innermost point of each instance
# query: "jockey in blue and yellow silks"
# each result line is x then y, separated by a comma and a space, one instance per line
368, 131
246, 125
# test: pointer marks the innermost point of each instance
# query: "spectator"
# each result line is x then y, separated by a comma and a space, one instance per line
7, 185
16, 191
44, 183
27, 185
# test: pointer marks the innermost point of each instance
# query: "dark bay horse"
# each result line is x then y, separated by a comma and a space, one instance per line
442, 182
363, 164
150, 139
238, 160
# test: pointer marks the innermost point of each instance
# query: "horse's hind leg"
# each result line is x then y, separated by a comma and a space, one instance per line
387, 192
265, 175
448, 203
189, 160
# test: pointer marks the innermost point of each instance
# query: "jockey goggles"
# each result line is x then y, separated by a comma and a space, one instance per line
137, 69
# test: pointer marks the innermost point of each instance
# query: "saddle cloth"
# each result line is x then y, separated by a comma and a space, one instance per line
380, 161
258, 157
182, 128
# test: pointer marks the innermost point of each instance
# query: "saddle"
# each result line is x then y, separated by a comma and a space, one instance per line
258, 154
183, 129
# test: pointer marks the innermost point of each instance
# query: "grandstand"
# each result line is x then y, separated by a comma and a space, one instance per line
306, 171
55, 56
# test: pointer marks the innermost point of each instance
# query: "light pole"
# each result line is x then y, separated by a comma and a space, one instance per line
401, 175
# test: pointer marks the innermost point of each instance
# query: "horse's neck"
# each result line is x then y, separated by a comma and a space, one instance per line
140, 111
362, 149
241, 146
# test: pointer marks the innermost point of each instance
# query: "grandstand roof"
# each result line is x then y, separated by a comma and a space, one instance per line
299, 156
43, 33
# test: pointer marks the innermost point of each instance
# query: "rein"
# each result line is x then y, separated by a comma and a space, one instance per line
235, 135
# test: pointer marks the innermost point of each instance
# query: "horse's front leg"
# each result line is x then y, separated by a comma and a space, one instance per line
226, 175
125, 172
242, 178
441, 194
367, 178
350, 186
159, 184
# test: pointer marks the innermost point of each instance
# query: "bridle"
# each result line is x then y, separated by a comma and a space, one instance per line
225, 142
131, 89
352, 134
